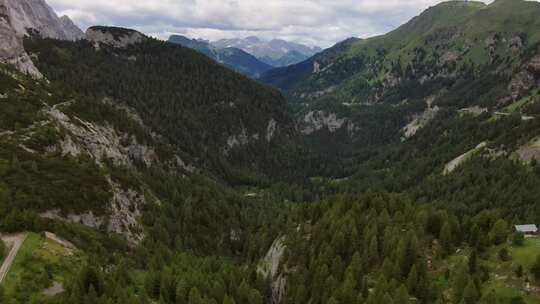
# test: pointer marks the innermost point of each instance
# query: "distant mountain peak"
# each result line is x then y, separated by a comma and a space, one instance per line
253, 39
232, 57
275, 52
72, 31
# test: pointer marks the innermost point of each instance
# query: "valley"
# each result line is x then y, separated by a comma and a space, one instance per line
391, 169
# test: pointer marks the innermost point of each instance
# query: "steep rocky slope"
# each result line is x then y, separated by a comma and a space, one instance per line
19, 19
74, 163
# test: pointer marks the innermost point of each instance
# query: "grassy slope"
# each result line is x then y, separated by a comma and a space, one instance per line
503, 280
39, 262
450, 26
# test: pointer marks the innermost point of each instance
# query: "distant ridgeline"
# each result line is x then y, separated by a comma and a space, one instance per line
233, 58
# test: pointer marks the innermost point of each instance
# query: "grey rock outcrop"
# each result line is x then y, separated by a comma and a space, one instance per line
18, 18
113, 36
36, 15
315, 121
72, 31
12, 50
269, 268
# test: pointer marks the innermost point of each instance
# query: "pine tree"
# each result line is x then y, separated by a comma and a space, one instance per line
182, 292
460, 281
387, 299
499, 232
373, 251
470, 294
195, 296
228, 300
473, 262
412, 280
445, 237
401, 295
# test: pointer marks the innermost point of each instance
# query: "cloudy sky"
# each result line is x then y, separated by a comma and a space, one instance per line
314, 22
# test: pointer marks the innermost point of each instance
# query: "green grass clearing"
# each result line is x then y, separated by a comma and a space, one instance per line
38, 264
526, 255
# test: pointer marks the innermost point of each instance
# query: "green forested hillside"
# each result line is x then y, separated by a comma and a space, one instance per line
221, 120
394, 172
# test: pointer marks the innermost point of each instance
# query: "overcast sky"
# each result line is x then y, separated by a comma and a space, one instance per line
313, 22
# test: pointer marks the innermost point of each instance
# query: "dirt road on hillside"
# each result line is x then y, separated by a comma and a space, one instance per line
14, 242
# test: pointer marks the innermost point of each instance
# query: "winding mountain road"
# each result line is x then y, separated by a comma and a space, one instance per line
13, 241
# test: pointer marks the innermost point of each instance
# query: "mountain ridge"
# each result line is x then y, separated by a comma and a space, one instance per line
234, 58
275, 52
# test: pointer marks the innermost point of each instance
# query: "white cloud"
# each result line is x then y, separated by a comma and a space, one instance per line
315, 22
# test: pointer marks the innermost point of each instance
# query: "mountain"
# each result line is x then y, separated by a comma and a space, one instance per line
456, 32
455, 56
71, 30
289, 58
37, 15
17, 18
126, 125
451, 85
287, 77
230, 129
393, 171
275, 52
234, 58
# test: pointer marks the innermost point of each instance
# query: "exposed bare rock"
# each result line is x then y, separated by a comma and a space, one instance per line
112, 36
88, 219
529, 151
125, 211
451, 166
421, 120
122, 214
269, 268
475, 111
240, 139
271, 130
101, 142
18, 18
36, 15
318, 120
12, 50
516, 44
449, 56
319, 93
316, 67
72, 31
526, 79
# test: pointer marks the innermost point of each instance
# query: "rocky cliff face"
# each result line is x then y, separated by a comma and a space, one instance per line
72, 31
36, 15
20, 17
11, 47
